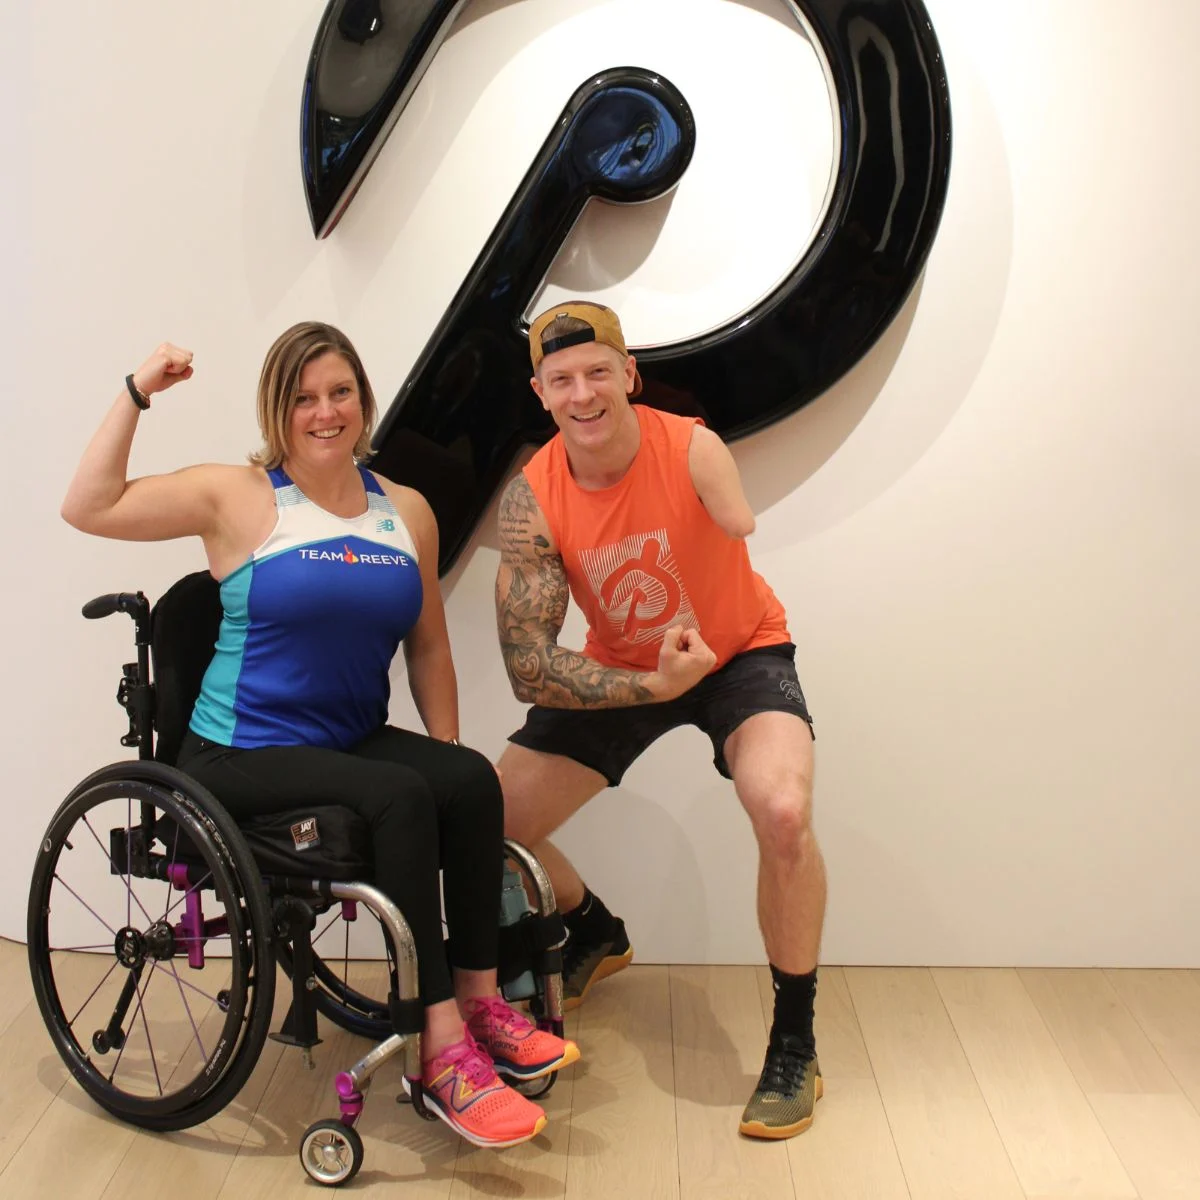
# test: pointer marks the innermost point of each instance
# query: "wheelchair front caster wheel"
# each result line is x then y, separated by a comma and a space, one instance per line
533, 1089
331, 1153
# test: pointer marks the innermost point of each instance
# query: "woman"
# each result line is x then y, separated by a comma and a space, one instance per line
324, 569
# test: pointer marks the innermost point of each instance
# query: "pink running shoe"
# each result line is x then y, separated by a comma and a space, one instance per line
519, 1048
462, 1087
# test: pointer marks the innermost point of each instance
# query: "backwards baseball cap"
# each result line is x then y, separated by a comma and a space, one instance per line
601, 325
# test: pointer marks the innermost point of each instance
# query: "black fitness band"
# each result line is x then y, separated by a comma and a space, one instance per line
136, 394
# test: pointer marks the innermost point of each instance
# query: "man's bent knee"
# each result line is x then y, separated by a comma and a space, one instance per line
782, 820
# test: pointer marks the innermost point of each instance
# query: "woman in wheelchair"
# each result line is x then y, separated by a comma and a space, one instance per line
324, 570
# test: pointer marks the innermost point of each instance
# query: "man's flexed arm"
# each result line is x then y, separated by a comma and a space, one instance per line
531, 605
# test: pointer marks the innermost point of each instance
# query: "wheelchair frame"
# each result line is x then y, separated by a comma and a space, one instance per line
268, 918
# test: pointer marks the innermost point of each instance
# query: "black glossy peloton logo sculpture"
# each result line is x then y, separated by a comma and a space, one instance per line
627, 135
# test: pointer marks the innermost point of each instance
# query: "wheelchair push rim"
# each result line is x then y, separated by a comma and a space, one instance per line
151, 962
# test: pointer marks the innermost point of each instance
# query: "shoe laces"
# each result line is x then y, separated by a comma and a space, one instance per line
574, 952
469, 1058
500, 1014
783, 1070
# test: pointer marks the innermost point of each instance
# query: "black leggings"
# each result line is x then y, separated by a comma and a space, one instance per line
430, 805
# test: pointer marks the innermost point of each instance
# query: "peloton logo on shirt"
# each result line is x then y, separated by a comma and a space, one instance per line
638, 586
346, 555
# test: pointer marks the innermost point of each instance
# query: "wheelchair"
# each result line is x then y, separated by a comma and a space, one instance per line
155, 922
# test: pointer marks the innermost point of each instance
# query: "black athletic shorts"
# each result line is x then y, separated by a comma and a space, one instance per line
609, 739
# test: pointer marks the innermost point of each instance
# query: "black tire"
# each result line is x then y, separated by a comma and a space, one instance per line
235, 1016
532, 1089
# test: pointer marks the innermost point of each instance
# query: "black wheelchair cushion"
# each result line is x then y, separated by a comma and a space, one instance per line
325, 842
183, 633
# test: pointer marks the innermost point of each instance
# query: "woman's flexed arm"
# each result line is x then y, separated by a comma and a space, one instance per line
103, 501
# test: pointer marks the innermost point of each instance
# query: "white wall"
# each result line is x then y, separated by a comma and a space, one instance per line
985, 536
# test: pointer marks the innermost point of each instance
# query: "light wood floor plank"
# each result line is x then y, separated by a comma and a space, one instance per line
848, 1154
719, 1036
33, 1075
944, 1133
623, 1139
1166, 1004
1151, 1124
1158, 1139
1056, 1145
1097, 1035
16, 989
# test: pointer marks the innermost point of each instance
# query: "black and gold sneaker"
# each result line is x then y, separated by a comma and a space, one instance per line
787, 1092
586, 963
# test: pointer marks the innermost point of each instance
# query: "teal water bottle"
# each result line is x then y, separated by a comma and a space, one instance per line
514, 906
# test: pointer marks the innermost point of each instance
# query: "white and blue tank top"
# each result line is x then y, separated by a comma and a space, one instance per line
312, 621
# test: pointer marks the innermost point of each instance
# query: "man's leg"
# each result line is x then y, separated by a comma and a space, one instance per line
770, 756
540, 792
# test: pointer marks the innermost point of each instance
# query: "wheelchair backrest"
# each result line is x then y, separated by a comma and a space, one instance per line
183, 634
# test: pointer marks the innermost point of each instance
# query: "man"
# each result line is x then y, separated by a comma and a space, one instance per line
641, 516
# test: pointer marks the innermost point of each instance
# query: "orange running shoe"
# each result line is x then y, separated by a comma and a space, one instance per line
462, 1087
519, 1048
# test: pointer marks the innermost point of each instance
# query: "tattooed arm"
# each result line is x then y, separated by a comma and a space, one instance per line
531, 605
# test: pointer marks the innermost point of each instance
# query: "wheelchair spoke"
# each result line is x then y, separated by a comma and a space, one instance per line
131, 895
141, 1010
80, 949
328, 927
60, 879
71, 1022
184, 983
188, 1008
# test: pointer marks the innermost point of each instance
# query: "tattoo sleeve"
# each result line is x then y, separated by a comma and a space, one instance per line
531, 605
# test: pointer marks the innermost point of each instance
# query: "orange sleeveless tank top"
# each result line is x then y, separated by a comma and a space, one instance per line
644, 555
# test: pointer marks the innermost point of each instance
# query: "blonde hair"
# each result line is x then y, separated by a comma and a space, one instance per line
279, 387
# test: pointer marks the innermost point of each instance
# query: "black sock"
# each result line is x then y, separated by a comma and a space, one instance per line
590, 920
794, 997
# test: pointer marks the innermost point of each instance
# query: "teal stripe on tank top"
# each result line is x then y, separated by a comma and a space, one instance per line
218, 723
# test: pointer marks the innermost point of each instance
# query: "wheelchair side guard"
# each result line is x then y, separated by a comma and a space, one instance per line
294, 921
532, 944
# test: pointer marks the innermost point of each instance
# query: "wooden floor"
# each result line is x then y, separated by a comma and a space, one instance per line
965, 1084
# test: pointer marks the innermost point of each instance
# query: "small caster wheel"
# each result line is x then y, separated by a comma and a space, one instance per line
533, 1089
331, 1152
223, 1000
102, 1043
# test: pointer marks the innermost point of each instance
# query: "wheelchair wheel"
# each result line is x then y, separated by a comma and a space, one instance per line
331, 1153
151, 962
336, 973
532, 1089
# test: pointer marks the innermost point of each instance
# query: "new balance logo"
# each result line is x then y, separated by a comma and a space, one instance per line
387, 525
